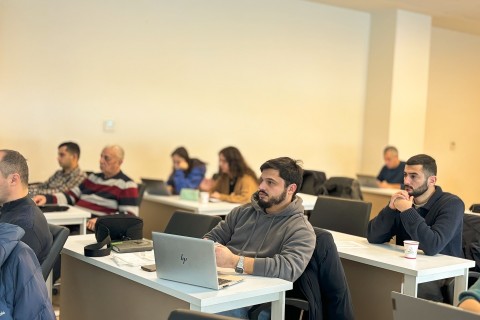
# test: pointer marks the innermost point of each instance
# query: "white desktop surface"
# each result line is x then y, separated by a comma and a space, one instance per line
390, 257
214, 208
156, 211
252, 290
71, 216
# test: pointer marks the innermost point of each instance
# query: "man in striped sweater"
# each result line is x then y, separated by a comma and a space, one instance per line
104, 193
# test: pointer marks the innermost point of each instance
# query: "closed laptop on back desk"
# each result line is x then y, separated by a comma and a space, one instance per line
188, 260
410, 308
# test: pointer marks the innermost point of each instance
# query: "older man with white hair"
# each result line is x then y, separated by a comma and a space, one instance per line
105, 193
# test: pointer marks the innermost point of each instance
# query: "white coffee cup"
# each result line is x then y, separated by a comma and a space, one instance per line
204, 197
411, 248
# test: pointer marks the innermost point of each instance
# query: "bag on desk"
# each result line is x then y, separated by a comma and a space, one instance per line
119, 227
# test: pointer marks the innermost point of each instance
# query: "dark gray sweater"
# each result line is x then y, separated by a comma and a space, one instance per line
437, 225
282, 244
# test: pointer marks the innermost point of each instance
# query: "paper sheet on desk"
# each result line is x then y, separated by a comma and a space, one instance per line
349, 244
133, 259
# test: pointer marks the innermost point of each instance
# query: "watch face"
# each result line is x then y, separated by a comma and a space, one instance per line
238, 270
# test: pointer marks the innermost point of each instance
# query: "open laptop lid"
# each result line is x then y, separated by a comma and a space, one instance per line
410, 308
367, 180
156, 187
185, 259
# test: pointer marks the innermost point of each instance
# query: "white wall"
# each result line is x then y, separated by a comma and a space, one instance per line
453, 113
272, 77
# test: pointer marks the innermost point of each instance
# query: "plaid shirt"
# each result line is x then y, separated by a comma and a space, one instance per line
59, 182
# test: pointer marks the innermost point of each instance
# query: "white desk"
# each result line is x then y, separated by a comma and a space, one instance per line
96, 288
157, 210
374, 270
72, 216
379, 197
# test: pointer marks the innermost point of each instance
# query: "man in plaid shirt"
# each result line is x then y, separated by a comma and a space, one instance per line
65, 179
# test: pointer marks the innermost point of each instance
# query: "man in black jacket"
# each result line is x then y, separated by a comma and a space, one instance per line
17, 208
424, 213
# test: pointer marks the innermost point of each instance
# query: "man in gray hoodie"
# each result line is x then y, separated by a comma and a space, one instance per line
270, 236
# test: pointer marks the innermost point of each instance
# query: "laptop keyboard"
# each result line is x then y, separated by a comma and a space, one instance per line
222, 281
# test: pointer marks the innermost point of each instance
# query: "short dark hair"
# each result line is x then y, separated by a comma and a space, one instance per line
390, 148
428, 163
72, 148
14, 162
289, 170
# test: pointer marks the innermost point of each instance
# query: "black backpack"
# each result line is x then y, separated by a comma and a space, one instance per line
342, 187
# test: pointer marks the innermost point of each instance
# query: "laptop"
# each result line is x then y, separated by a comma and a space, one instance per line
367, 180
53, 208
156, 187
189, 260
410, 308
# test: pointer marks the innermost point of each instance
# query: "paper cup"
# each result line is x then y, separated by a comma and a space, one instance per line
204, 197
411, 248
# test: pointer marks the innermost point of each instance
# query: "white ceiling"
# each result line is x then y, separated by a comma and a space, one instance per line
459, 15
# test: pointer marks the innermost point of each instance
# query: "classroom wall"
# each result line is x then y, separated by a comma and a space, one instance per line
451, 131
272, 77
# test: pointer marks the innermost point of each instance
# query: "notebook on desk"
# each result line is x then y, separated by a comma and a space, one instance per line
189, 260
156, 187
367, 180
410, 308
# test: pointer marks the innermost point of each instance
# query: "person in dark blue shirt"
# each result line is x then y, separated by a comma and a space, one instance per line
187, 172
391, 175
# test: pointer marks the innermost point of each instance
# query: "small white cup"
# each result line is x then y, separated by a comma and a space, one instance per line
204, 197
411, 248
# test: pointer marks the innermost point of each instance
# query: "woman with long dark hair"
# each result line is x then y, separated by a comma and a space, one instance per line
187, 172
237, 181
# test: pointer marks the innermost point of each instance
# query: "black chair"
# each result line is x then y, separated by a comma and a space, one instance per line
342, 215
141, 187
181, 314
60, 235
342, 187
322, 290
190, 224
312, 182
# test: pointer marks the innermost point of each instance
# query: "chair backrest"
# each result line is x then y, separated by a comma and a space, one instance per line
60, 235
471, 238
342, 215
312, 182
181, 314
141, 190
342, 187
190, 224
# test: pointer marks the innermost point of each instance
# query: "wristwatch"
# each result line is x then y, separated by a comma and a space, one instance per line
239, 267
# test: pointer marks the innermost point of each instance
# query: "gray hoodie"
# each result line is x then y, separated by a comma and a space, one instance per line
282, 244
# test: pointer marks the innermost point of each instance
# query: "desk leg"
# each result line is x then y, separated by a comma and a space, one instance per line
410, 286
49, 284
83, 226
278, 307
461, 283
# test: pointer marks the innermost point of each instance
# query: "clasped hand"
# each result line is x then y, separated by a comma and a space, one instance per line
401, 201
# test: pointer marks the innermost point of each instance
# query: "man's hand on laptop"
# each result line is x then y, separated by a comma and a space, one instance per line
225, 258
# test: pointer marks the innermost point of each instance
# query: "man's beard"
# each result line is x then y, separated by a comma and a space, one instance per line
272, 200
420, 190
